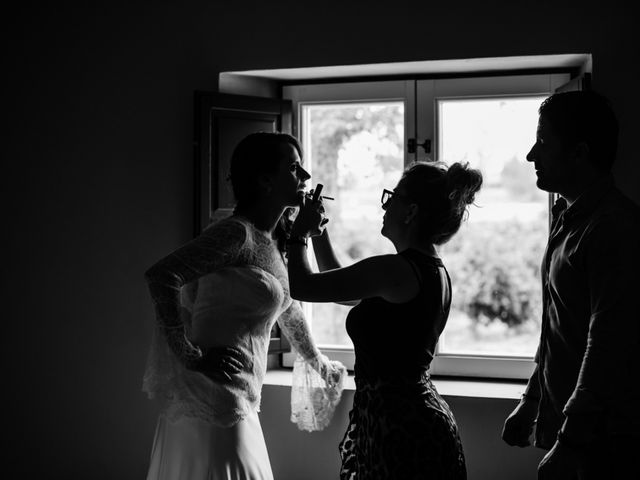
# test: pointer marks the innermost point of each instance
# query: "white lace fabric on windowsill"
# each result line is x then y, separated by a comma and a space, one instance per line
227, 287
315, 395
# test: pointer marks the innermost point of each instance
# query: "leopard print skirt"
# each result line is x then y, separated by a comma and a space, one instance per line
401, 431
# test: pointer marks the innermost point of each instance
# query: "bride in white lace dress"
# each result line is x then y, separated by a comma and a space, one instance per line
216, 300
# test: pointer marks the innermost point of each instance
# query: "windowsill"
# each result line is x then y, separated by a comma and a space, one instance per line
448, 387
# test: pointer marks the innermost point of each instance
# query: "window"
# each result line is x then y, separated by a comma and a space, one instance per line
355, 137
355, 150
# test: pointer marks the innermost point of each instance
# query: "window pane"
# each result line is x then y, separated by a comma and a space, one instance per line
355, 150
494, 259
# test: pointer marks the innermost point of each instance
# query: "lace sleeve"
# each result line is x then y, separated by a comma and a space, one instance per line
295, 328
317, 381
219, 245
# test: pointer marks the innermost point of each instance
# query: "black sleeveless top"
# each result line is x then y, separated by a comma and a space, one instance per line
396, 341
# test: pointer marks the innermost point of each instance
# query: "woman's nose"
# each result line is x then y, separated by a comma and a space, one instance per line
303, 174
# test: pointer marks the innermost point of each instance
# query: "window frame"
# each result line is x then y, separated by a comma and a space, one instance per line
341, 93
421, 96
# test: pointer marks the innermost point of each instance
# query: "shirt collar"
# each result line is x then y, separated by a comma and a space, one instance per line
589, 199
559, 206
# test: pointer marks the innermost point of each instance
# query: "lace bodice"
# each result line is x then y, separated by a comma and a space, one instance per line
242, 300
226, 287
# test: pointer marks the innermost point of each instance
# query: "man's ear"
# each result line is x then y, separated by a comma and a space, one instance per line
582, 153
412, 211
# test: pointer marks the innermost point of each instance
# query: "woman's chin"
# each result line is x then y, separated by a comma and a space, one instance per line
295, 201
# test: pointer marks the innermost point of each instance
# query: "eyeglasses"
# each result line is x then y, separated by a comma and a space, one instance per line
387, 194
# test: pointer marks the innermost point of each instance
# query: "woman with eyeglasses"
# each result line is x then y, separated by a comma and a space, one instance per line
400, 427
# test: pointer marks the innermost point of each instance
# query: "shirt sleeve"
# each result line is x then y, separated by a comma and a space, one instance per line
606, 383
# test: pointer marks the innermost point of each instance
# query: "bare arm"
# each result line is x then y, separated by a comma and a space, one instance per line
387, 276
327, 259
324, 252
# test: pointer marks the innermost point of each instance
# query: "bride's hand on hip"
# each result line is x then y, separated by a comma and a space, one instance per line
220, 363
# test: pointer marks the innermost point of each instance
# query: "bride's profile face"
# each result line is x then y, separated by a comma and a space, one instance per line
289, 181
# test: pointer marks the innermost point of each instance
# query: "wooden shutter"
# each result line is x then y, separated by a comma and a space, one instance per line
221, 121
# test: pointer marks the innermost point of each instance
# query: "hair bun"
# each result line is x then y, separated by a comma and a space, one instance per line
463, 183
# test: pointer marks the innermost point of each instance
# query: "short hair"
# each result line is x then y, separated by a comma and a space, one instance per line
584, 116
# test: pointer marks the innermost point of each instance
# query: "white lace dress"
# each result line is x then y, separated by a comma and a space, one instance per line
226, 287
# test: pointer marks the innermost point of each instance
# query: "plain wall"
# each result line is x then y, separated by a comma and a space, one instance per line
98, 178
